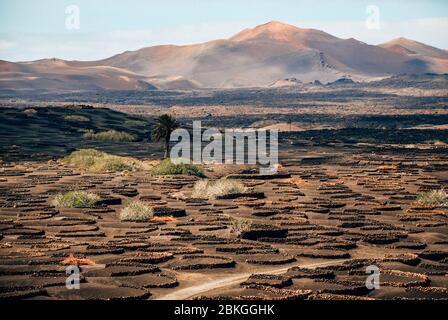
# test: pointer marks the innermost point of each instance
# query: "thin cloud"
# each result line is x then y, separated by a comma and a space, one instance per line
4, 44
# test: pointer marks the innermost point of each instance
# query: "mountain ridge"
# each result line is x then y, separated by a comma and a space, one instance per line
253, 57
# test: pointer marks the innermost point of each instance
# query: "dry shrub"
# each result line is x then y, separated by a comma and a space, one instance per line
77, 261
388, 167
164, 219
110, 135
98, 161
297, 181
239, 225
136, 123
30, 112
75, 199
76, 118
136, 211
211, 189
434, 198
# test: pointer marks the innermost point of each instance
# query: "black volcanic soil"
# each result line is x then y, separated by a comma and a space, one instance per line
355, 211
345, 200
44, 133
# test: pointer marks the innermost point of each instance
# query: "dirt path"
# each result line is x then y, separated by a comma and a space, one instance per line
192, 291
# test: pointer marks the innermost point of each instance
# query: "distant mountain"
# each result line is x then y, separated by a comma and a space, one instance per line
435, 59
261, 56
412, 47
60, 75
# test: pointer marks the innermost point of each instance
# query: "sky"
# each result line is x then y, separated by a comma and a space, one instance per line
97, 29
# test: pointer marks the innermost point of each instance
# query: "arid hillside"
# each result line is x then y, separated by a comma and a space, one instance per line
254, 57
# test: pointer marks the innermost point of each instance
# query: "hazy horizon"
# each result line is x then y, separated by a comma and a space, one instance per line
37, 30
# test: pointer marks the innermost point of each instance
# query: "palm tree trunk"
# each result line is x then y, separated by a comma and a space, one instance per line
167, 146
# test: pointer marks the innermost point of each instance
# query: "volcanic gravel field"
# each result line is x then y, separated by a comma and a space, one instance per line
316, 226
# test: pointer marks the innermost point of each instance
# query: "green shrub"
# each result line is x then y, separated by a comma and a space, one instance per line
136, 211
98, 161
75, 199
76, 118
110, 135
210, 189
433, 198
167, 167
135, 123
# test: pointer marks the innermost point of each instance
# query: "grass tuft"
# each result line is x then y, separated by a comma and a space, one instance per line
136, 211
76, 118
167, 167
75, 199
434, 198
136, 123
210, 189
110, 135
98, 161
239, 225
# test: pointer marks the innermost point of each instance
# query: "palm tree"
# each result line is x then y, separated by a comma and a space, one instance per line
163, 128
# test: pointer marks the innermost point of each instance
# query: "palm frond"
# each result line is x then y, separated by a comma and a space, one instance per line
164, 126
